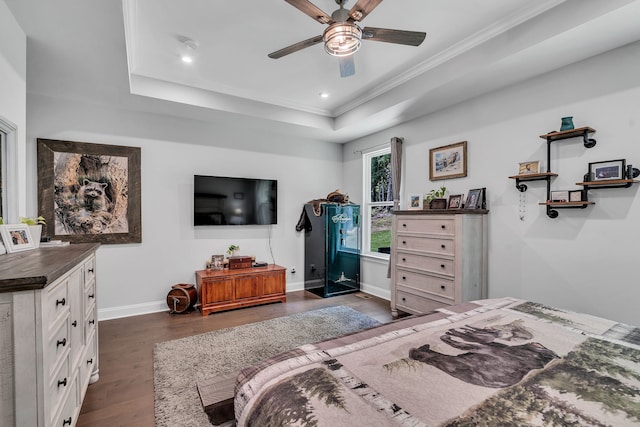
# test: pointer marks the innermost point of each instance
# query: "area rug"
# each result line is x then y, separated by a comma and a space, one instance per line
179, 364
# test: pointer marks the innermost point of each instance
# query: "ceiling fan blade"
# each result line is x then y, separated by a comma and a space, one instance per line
308, 8
411, 38
347, 66
295, 47
362, 8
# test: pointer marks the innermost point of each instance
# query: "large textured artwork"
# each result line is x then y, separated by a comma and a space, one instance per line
89, 192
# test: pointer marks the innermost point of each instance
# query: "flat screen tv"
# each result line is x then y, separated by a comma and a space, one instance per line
219, 200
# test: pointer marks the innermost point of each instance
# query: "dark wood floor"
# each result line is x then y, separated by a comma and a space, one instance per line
123, 396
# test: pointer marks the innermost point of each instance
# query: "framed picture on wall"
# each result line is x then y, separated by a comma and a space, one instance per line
89, 192
449, 161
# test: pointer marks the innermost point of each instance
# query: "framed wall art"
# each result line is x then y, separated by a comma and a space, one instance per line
449, 161
575, 196
17, 237
89, 192
610, 169
560, 196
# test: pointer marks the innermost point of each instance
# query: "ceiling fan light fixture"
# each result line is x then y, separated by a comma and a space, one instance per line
342, 38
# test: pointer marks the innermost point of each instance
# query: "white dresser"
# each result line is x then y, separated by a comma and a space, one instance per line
48, 304
438, 258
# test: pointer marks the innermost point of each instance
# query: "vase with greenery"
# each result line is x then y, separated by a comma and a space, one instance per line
232, 250
35, 227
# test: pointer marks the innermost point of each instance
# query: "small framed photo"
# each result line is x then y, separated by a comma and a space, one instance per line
559, 196
17, 237
611, 169
415, 201
529, 167
474, 199
575, 196
455, 201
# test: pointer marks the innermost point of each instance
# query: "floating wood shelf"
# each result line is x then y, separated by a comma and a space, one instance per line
572, 133
583, 203
610, 183
533, 176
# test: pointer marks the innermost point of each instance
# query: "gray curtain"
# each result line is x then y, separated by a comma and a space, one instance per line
396, 176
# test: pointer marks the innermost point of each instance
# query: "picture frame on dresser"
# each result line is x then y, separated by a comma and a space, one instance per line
474, 199
17, 237
416, 201
455, 201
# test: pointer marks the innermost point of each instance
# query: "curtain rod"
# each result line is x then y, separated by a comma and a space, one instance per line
371, 148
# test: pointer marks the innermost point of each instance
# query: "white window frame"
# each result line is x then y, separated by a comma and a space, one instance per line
368, 204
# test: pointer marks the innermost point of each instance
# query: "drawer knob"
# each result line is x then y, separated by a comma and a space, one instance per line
62, 342
442, 287
404, 299
92, 321
404, 277
442, 246
62, 382
443, 226
441, 265
404, 242
61, 302
90, 361
67, 421
404, 259
404, 225
91, 295
74, 323
91, 270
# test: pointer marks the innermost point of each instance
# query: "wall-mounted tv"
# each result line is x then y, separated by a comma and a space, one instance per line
219, 200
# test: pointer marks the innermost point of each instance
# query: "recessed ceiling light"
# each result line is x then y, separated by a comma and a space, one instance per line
189, 47
323, 94
187, 59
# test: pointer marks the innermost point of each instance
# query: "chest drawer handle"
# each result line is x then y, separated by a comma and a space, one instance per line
404, 242
90, 270
404, 277
442, 287
90, 361
404, 259
92, 321
442, 246
404, 299
74, 323
67, 421
443, 227
61, 302
404, 225
62, 342
441, 265
62, 382
91, 295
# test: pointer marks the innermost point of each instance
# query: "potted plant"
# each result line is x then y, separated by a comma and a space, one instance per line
435, 199
35, 227
232, 250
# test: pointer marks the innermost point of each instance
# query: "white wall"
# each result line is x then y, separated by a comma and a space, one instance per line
13, 112
582, 260
135, 278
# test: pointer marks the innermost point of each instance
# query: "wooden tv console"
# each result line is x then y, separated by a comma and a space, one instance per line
227, 289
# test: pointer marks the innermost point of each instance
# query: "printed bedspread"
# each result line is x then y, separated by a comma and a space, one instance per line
490, 362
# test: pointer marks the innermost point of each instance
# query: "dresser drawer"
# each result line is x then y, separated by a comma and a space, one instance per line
56, 303
59, 384
89, 325
89, 270
444, 226
426, 283
71, 409
88, 361
431, 245
429, 264
90, 297
416, 304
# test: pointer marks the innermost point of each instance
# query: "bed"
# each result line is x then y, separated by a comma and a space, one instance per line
502, 361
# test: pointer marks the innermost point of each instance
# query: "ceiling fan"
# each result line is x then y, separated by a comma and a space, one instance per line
342, 37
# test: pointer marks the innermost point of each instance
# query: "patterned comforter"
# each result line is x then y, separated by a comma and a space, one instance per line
490, 362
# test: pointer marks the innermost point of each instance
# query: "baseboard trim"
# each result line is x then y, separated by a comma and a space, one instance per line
160, 306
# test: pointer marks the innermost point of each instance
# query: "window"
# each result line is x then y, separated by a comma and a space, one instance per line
378, 202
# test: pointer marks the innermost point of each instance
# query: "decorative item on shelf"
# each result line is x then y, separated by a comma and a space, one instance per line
435, 199
560, 196
181, 298
567, 123
415, 201
632, 172
607, 170
529, 167
575, 196
35, 227
233, 250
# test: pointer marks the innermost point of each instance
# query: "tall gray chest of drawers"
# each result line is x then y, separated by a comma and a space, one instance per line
438, 258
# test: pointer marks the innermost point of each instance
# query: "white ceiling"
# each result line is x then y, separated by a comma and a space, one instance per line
471, 47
